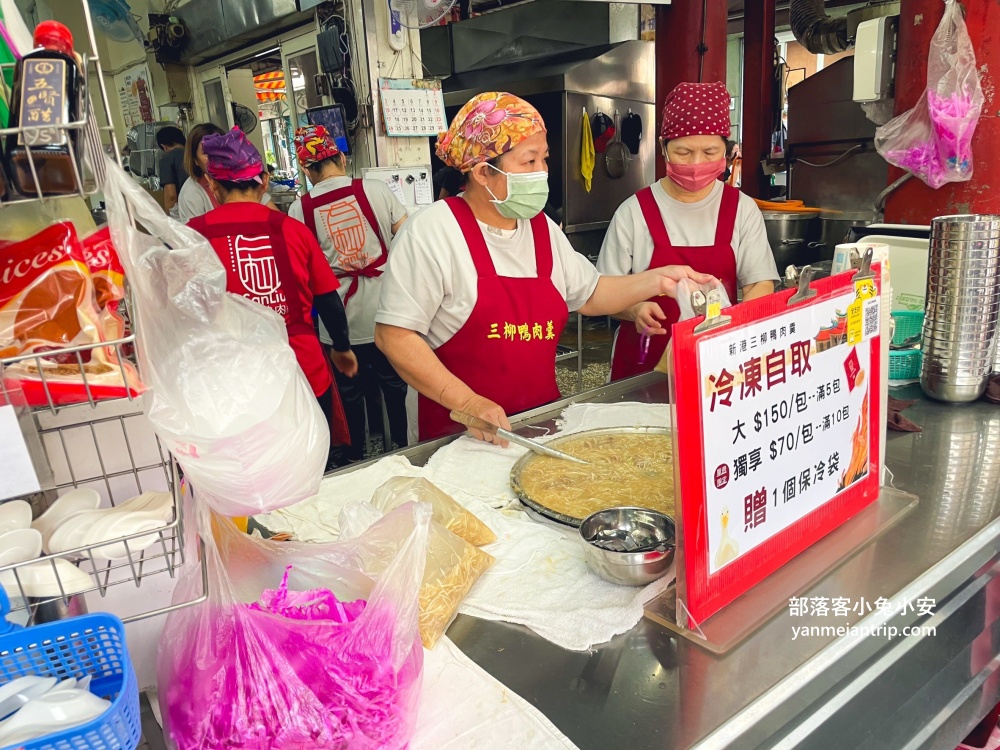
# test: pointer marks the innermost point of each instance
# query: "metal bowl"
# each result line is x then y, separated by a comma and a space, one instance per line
519, 466
629, 568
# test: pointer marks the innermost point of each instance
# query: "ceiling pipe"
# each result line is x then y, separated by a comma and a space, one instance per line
815, 30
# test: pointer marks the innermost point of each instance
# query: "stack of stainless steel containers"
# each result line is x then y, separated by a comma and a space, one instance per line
963, 302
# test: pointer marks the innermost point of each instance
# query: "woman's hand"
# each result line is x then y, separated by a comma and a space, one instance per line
668, 276
345, 362
647, 319
492, 412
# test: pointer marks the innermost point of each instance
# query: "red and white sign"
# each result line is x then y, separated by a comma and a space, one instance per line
777, 420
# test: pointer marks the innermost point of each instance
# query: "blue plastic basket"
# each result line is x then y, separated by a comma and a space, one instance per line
88, 645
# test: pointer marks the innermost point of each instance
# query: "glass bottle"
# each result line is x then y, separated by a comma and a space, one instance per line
48, 90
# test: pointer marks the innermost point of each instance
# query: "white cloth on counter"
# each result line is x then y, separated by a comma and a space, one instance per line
579, 417
318, 518
463, 707
540, 578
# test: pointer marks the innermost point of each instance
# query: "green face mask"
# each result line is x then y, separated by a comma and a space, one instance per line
527, 194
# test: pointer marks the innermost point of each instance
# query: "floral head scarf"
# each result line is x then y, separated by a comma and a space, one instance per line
487, 126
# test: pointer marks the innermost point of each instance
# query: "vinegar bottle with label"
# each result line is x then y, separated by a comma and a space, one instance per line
48, 91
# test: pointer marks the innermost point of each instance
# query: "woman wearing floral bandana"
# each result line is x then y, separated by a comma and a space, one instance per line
478, 287
688, 217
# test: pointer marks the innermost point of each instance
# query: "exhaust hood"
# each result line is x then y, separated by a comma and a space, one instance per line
221, 26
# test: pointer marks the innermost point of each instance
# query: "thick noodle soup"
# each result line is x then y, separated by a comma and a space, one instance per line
624, 469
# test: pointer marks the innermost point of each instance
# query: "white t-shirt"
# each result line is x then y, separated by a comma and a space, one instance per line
430, 284
349, 243
193, 201
628, 245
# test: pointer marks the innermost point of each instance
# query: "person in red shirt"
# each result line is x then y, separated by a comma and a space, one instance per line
275, 261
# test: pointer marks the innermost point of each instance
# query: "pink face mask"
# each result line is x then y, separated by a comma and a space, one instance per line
695, 177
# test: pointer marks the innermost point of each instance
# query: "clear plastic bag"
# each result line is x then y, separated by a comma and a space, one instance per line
934, 139
228, 397
685, 288
452, 569
458, 520
264, 669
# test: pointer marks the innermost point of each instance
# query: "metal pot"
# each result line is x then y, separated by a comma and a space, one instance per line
543, 512
786, 234
835, 229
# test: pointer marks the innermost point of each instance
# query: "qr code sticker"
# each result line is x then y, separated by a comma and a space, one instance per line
871, 319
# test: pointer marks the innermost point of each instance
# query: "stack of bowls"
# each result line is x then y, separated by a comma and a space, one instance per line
963, 302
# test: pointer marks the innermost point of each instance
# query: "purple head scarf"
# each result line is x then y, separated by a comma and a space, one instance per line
232, 157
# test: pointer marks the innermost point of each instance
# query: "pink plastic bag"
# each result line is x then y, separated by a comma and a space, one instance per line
934, 139
328, 659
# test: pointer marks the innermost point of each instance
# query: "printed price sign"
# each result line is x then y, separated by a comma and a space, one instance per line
777, 418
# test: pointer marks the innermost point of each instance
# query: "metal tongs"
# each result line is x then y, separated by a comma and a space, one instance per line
475, 423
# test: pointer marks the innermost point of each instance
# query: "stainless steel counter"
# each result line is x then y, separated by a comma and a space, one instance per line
650, 689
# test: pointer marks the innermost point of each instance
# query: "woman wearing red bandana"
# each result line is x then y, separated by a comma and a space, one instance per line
275, 261
478, 287
354, 221
689, 217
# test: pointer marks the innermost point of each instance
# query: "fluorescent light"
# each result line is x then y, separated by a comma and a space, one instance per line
267, 52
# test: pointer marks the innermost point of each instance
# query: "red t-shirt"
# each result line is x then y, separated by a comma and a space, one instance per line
253, 271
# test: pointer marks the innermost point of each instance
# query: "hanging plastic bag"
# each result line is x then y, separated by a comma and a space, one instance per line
934, 139
453, 565
329, 659
228, 397
685, 288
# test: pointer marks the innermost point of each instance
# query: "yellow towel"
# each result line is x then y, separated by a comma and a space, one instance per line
587, 153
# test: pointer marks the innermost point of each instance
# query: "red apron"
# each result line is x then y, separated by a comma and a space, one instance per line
244, 271
309, 206
506, 351
717, 259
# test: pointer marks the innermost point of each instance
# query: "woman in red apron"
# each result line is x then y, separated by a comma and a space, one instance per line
274, 261
478, 287
690, 218
354, 222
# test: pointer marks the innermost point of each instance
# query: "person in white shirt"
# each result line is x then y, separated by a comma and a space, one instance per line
478, 288
354, 221
689, 217
196, 197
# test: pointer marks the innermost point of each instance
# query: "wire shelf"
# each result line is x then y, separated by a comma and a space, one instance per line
72, 376
110, 448
91, 431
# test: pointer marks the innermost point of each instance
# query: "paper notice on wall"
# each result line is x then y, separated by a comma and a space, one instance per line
135, 94
397, 188
423, 192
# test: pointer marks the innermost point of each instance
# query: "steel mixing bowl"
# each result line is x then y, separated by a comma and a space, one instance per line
629, 568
